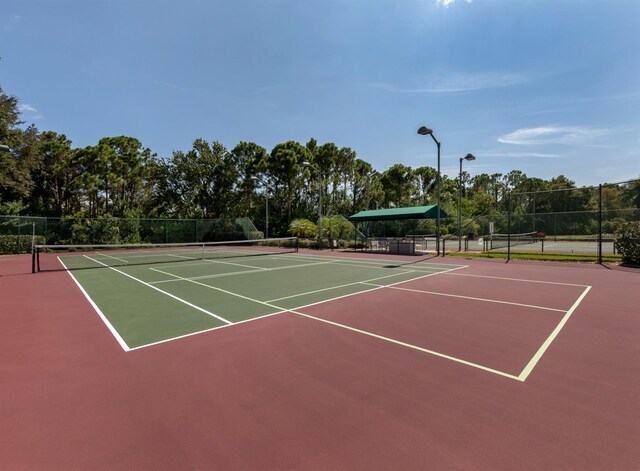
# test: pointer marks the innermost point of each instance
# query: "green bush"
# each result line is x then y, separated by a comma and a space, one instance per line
13, 244
628, 242
303, 228
336, 227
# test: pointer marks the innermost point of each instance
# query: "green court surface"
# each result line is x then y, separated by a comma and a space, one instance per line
145, 304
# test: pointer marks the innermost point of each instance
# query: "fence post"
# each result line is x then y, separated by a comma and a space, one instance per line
18, 238
600, 224
509, 227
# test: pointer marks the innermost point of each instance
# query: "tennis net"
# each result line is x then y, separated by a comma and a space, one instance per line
76, 257
500, 241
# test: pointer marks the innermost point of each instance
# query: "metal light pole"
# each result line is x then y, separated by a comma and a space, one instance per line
266, 195
466, 157
310, 165
423, 131
369, 175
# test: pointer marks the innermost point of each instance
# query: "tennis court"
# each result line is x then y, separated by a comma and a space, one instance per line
148, 295
152, 295
265, 357
531, 243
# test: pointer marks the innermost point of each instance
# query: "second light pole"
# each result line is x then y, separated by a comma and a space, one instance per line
423, 131
466, 157
310, 165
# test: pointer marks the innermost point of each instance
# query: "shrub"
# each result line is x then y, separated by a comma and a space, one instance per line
336, 227
13, 244
303, 228
628, 242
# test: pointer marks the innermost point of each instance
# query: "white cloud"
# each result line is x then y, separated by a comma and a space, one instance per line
446, 3
553, 135
459, 82
33, 112
26, 107
521, 155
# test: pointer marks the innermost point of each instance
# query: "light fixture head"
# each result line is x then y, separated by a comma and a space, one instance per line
424, 131
4, 148
469, 157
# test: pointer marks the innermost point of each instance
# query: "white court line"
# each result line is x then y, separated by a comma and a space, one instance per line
191, 334
485, 300
414, 347
111, 328
163, 292
543, 348
419, 266
201, 261
364, 282
233, 273
372, 261
202, 277
519, 279
208, 260
368, 290
111, 256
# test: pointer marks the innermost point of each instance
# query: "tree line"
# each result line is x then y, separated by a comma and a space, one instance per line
44, 175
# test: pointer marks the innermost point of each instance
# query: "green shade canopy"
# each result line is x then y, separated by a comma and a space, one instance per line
394, 214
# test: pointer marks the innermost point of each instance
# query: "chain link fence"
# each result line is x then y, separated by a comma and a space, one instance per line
585, 221
17, 233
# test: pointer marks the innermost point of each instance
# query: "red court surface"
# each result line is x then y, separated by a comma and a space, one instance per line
290, 392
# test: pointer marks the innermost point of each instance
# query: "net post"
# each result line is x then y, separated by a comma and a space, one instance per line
33, 246
509, 227
35, 259
296, 244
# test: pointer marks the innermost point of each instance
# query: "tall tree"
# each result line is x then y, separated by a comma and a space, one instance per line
125, 171
285, 167
426, 181
252, 164
15, 179
57, 179
198, 179
399, 185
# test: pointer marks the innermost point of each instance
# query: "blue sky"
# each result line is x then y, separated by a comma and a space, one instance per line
546, 87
